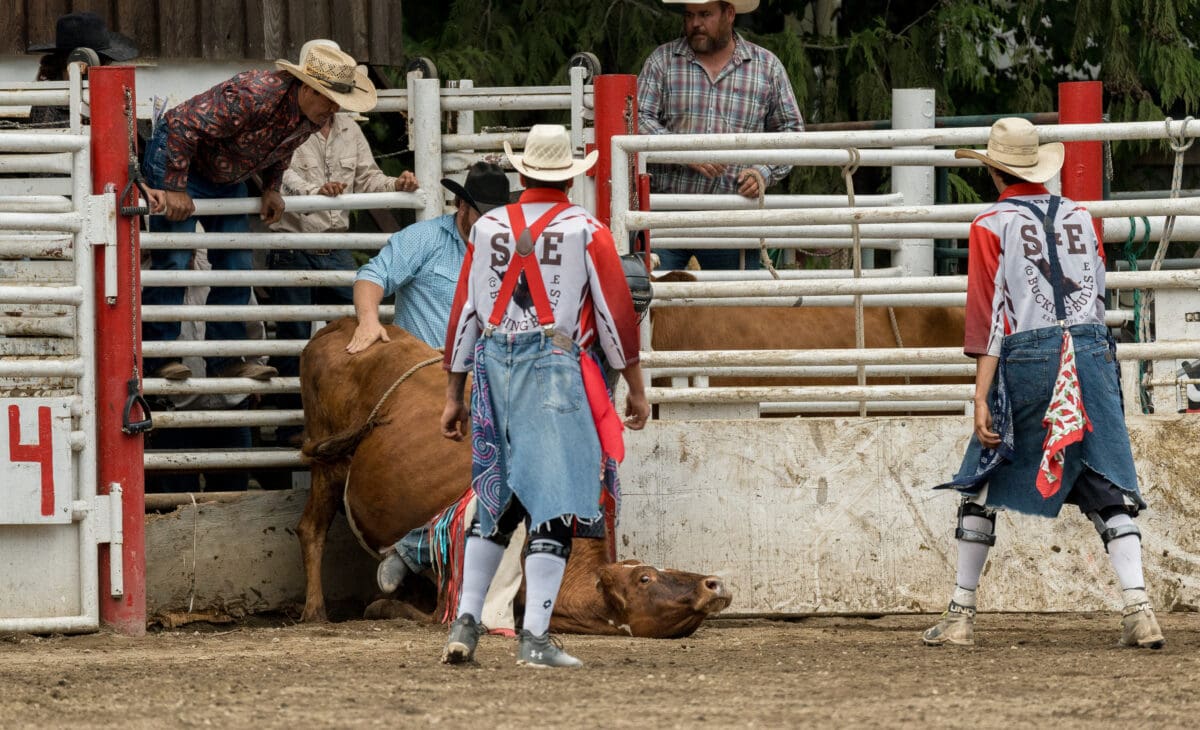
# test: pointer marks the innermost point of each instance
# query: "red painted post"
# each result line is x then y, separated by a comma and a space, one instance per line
615, 97
615, 102
118, 327
1082, 102
643, 193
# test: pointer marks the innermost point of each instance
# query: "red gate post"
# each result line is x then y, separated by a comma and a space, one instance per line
1082, 102
615, 102
118, 327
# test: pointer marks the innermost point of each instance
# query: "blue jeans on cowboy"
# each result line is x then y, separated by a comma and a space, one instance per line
676, 259
153, 169
303, 260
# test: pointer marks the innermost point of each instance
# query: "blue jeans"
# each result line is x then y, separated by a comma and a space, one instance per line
1030, 361
287, 260
675, 259
154, 169
532, 431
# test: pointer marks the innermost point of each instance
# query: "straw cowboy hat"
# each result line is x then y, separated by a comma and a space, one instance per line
1013, 148
548, 155
88, 30
739, 6
334, 74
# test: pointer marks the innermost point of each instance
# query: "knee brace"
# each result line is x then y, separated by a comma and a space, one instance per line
1108, 534
970, 509
500, 537
553, 537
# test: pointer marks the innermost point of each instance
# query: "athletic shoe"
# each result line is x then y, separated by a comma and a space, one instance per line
464, 635
956, 628
390, 573
1139, 627
543, 651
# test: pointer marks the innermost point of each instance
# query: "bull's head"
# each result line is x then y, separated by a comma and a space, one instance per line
660, 604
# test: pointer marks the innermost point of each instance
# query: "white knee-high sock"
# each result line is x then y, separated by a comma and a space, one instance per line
543, 576
480, 559
1125, 553
971, 558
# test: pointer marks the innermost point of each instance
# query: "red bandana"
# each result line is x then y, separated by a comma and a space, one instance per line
1065, 421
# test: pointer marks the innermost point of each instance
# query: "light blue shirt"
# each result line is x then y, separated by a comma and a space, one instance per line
420, 265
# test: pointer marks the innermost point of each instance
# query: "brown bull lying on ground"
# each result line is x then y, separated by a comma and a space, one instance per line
628, 598
398, 473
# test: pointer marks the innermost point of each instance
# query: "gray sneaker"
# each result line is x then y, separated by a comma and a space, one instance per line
543, 651
957, 627
464, 635
1139, 627
390, 573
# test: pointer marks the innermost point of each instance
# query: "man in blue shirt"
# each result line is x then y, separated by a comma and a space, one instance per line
420, 264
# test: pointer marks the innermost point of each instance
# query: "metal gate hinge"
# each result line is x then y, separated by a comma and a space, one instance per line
107, 526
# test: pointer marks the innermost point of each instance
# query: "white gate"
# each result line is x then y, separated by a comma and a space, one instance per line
51, 518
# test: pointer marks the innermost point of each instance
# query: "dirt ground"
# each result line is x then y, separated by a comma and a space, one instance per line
1028, 670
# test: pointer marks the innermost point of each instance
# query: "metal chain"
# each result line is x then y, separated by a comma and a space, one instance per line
630, 122
134, 293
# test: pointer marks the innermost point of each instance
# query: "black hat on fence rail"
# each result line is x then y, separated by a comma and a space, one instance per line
88, 30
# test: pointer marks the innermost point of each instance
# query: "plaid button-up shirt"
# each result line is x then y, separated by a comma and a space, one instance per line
752, 93
250, 123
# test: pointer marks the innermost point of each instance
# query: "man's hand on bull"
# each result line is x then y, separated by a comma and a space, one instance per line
365, 335
175, 205
455, 420
708, 169
331, 189
272, 207
637, 411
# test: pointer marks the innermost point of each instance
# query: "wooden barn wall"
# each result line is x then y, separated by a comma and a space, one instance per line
221, 30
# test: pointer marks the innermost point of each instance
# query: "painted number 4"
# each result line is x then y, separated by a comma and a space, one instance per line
41, 452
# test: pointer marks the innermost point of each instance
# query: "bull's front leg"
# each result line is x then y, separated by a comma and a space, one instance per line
313, 527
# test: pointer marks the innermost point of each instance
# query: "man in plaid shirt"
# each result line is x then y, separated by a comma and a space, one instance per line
711, 80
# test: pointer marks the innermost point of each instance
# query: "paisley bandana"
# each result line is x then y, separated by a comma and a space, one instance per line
1066, 421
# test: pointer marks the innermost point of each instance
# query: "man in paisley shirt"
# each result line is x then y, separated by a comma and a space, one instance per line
208, 147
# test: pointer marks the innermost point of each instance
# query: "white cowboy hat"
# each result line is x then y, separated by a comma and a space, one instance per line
1013, 148
334, 74
739, 6
548, 155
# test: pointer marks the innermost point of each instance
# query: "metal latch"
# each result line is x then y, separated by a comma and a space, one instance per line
100, 229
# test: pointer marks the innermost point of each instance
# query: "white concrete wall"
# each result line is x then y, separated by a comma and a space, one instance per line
800, 516
830, 515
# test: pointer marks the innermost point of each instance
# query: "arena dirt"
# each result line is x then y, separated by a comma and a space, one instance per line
1027, 670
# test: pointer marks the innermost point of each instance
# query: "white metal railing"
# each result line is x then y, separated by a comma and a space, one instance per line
805, 221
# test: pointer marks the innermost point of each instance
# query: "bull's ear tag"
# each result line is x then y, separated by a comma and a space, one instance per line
524, 243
